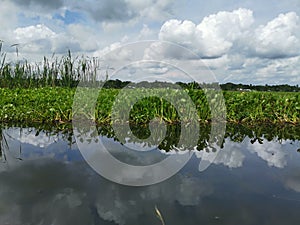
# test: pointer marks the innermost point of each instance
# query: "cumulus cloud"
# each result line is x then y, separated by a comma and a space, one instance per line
189, 192
237, 49
258, 70
214, 36
26, 136
115, 52
30, 33
233, 32
27, 144
275, 71
230, 156
37, 39
31, 40
234, 44
271, 152
279, 38
73, 196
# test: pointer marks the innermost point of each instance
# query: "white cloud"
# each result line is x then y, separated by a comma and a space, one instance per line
73, 191
189, 192
41, 39
31, 33
146, 33
231, 43
278, 67
224, 62
278, 38
293, 182
182, 32
26, 136
230, 156
258, 70
271, 152
85, 36
115, 51
214, 36
15, 150
77, 38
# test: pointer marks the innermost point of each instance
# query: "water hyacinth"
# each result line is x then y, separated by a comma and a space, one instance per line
50, 105
44, 92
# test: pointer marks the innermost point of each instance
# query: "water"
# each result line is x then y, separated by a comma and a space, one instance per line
255, 179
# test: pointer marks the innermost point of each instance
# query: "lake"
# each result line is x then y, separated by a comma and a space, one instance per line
254, 179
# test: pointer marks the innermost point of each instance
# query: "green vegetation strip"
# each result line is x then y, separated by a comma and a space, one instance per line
54, 104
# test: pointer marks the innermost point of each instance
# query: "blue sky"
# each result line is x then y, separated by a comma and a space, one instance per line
240, 41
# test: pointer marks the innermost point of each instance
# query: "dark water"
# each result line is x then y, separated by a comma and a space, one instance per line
255, 179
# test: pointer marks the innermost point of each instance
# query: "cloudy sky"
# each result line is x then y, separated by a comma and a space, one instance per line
240, 41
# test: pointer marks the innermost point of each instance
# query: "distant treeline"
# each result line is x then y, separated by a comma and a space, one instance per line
250, 87
193, 85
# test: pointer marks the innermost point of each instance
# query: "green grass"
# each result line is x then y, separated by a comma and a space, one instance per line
54, 104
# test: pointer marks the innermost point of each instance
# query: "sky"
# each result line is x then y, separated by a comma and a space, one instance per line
240, 41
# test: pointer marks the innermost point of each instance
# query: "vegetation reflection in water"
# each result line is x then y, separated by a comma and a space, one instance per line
42, 190
234, 132
73, 196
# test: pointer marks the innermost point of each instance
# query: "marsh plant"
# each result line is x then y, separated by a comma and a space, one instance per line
64, 71
44, 92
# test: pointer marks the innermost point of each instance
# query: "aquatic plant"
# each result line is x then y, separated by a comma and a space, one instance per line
63, 71
43, 92
54, 104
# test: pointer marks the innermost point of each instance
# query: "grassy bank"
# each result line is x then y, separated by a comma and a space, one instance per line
54, 105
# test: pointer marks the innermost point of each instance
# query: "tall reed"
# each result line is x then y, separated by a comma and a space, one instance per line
64, 71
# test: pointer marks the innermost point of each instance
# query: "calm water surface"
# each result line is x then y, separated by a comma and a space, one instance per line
255, 179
